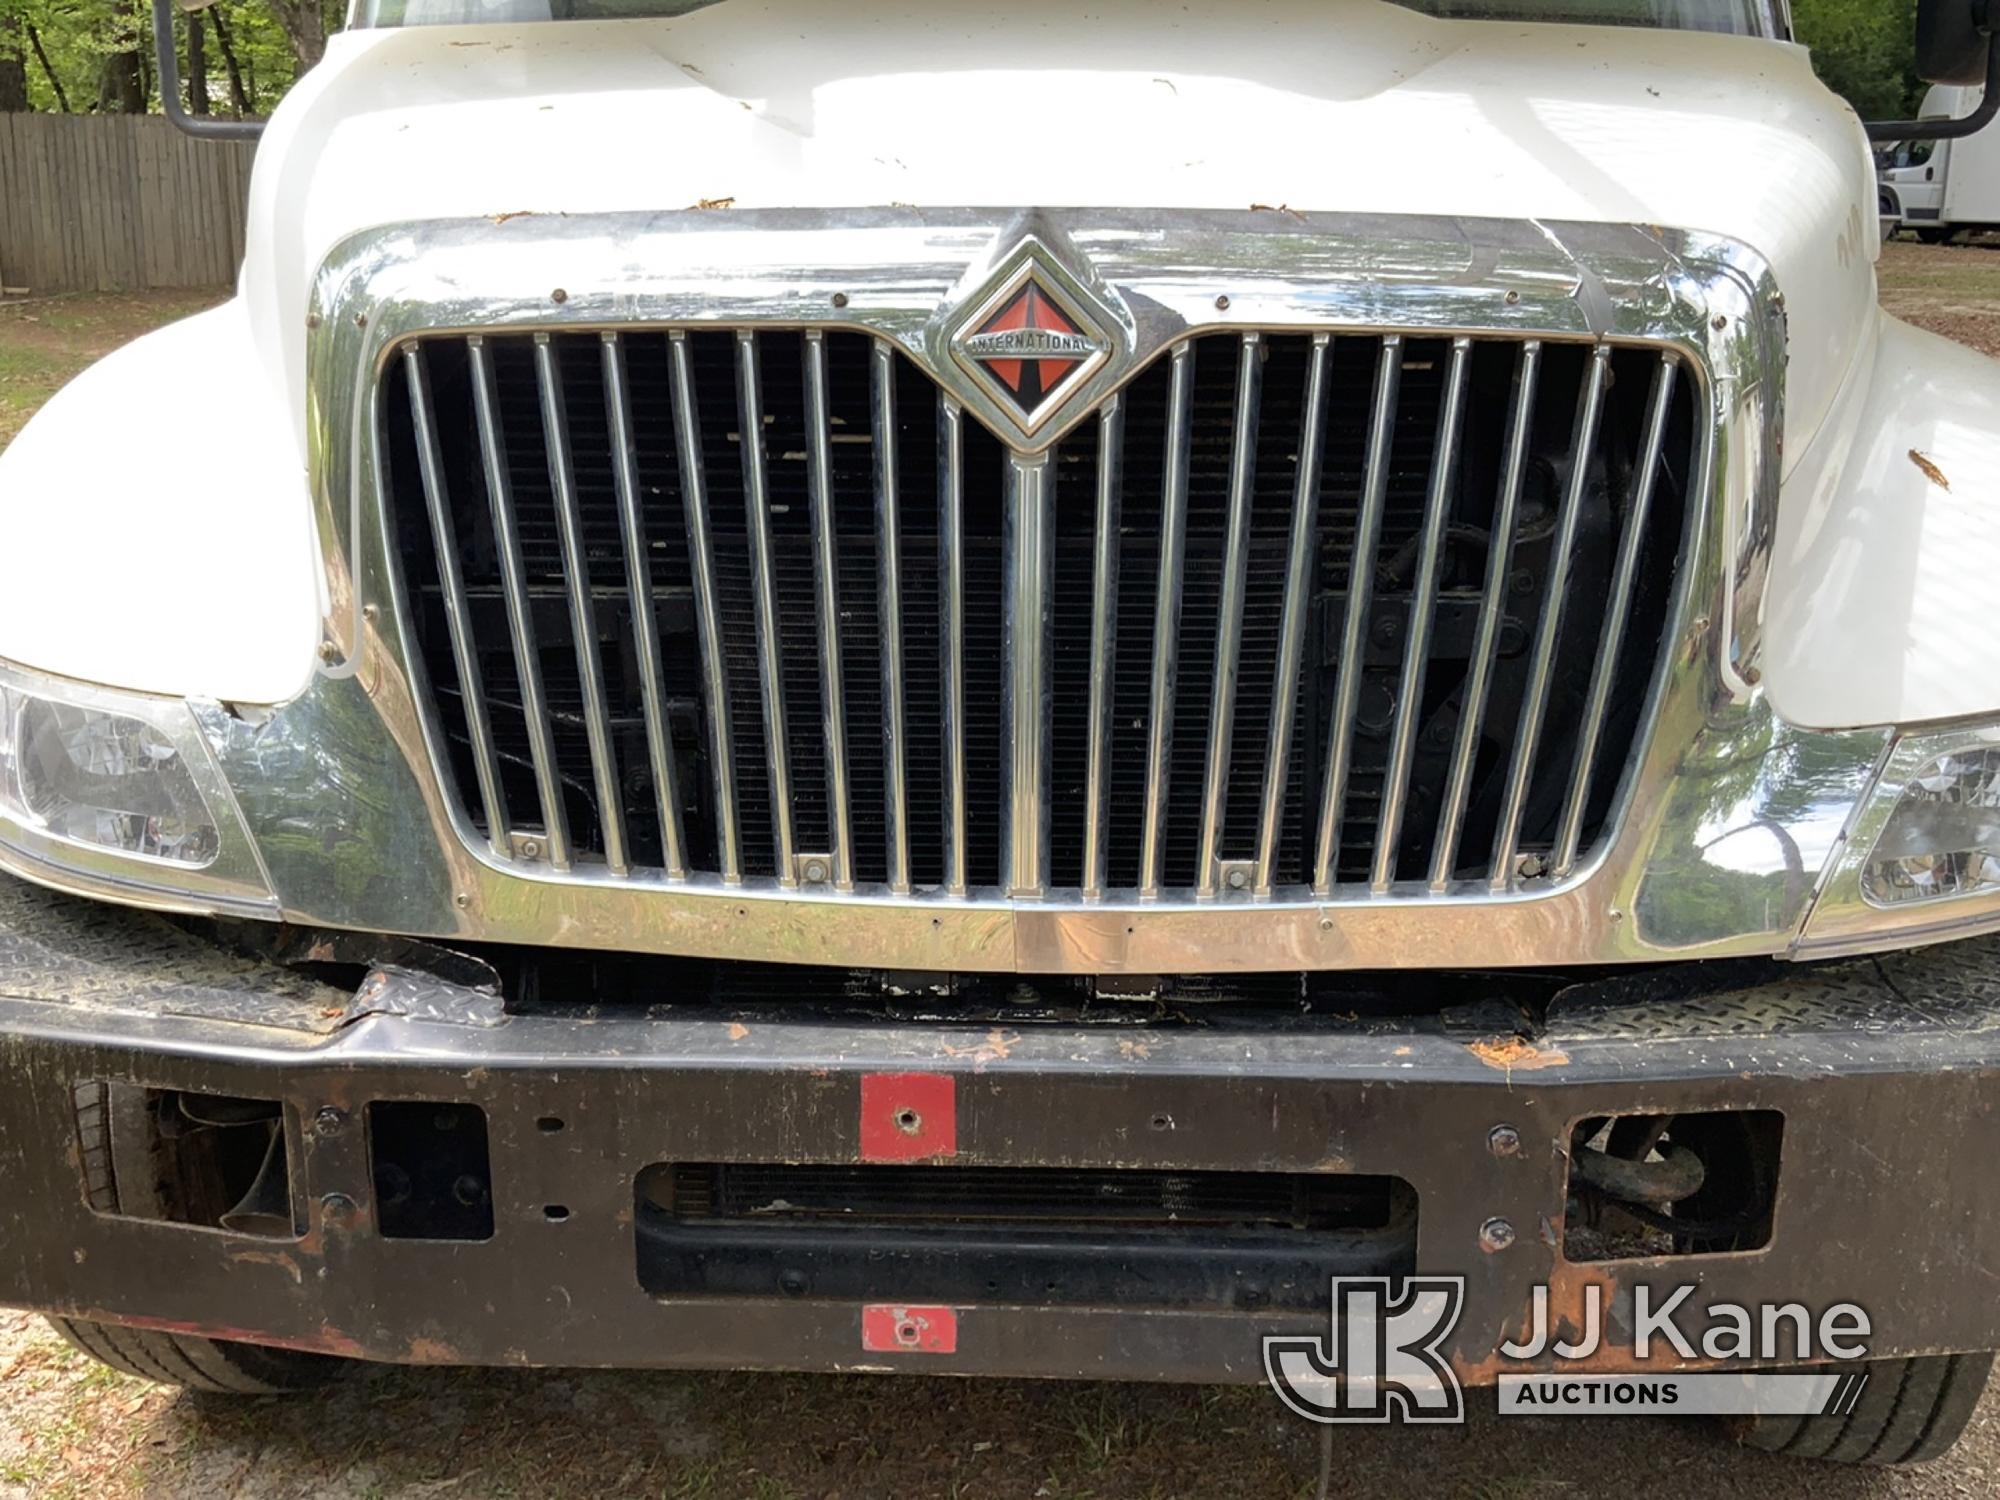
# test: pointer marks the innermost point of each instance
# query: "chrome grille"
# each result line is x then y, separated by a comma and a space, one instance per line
1342, 612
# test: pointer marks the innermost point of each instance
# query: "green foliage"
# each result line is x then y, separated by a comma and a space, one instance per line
1865, 50
76, 36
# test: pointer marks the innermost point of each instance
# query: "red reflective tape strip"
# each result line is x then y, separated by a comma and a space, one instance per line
908, 1116
889, 1329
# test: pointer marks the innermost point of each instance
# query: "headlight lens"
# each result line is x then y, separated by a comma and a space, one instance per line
1943, 837
1921, 860
107, 779
116, 794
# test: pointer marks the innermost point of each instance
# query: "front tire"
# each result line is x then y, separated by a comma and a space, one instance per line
1911, 1412
209, 1366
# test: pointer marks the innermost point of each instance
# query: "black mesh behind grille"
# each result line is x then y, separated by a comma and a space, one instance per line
1609, 463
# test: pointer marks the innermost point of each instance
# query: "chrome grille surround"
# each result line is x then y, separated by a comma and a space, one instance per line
1709, 302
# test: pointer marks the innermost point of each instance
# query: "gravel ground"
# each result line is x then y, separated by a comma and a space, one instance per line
1950, 289
70, 1428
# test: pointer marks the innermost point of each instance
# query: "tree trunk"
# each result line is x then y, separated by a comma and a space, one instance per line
238, 99
197, 66
121, 88
304, 28
241, 99
48, 70
121, 82
13, 68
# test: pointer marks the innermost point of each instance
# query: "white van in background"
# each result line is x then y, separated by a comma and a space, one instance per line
1942, 188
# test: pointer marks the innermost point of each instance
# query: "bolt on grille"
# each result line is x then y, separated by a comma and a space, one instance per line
1289, 610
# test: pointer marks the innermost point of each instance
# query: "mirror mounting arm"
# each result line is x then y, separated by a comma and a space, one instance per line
1951, 130
167, 56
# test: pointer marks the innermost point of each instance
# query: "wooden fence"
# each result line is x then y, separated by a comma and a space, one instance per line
93, 203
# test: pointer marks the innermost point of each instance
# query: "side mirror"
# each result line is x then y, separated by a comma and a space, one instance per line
1954, 46
1953, 41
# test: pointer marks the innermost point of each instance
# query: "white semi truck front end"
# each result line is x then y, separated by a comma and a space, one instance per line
832, 639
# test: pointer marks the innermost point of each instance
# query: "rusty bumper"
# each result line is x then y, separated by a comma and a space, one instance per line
1883, 1073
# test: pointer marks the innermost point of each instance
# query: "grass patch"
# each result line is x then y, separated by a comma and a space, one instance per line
46, 341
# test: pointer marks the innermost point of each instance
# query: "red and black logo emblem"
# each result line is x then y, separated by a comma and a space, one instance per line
1031, 346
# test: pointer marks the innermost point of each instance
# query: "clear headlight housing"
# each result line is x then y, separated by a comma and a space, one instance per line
1922, 856
1942, 838
106, 779
116, 794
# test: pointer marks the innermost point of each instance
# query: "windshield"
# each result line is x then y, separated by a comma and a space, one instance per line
466, 12
1744, 17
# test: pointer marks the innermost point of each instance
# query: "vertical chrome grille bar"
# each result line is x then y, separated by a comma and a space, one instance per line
1617, 611
1103, 646
1028, 547
1300, 560
763, 587
1534, 699
582, 609
1417, 638
1354, 630
457, 612
889, 608
1492, 612
826, 561
1167, 617
520, 618
707, 610
951, 636
1229, 620
645, 627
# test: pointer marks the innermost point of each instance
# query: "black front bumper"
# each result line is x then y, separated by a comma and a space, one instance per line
1884, 1074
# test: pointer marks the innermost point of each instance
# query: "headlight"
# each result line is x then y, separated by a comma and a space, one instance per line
1922, 857
116, 794
1943, 835
90, 777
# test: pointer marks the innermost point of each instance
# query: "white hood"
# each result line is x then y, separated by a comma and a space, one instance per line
1309, 105
1314, 105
